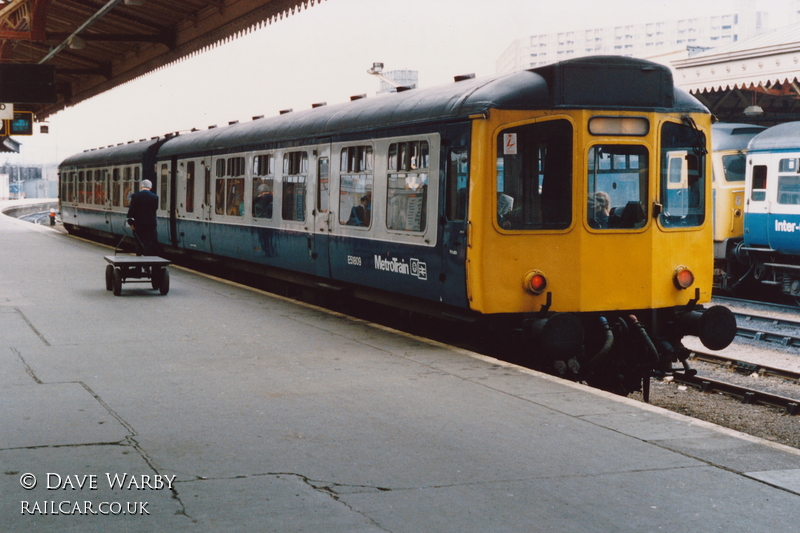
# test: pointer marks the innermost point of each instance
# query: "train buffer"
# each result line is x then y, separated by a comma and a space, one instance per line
136, 269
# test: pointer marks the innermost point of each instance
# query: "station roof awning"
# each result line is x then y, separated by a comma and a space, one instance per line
7, 144
760, 72
96, 45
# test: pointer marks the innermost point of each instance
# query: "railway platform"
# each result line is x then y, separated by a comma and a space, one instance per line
221, 408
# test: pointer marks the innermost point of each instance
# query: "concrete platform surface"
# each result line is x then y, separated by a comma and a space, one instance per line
219, 408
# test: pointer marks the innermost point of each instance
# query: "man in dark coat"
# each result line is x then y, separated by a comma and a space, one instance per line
142, 218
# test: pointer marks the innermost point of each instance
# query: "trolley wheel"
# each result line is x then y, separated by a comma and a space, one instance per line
117, 282
155, 278
163, 283
109, 277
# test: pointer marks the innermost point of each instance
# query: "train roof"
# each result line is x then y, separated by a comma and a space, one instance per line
732, 136
121, 154
781, 137
601, 82
610, 82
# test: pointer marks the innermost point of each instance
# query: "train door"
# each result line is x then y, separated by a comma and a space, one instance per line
454, 221
108, 197
319, 237
161, 186
173, 200
677, 184
757, 204
206, 207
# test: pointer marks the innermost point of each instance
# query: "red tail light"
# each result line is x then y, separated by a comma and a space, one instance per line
535, 282
683, 277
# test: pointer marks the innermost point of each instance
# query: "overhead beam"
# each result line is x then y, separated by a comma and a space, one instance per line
91, 20
116, 38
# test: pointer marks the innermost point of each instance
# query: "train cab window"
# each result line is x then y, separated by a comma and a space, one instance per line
263, 185
356, 181
733, 166
230, 187
295, 175
164, 185
618, 177
115, 185
190, 186
407, 194
683, 164
534, 176
457, 181
759, 193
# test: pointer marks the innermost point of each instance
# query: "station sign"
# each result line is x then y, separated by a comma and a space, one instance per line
21, 124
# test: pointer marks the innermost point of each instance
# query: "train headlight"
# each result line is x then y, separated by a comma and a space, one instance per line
683, 277
535, 282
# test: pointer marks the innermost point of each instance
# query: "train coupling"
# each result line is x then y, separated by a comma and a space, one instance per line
715, 327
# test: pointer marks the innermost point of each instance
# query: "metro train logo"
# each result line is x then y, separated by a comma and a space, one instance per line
785, 227
416, 268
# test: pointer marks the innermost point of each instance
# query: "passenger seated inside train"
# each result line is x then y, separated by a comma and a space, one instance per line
262, 206
598, 209
360, 214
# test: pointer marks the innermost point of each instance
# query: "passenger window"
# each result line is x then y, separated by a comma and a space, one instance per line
230, 187
759, 193
263, 185
81, 187
71, 187
789, 190
618, 191
295, 175
407, 194
190, 186
457, 182
89, 186
164, 179
355, 195
115, 185
534, 176
99, 187
788, 165
682, 175
127, 188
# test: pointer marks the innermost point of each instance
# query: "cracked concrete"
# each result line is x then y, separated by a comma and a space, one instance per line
280, 417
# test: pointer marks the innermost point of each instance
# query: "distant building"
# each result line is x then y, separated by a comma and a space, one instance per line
408, 78
643, 40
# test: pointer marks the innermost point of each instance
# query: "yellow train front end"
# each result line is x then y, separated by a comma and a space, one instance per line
595, 225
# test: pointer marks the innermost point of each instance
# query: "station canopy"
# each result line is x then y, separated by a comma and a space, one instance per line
753, 81
92, 46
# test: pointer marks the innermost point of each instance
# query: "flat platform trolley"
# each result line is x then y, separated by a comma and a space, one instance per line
136, 269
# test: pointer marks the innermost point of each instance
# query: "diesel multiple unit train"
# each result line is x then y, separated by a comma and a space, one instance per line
760, 246
571, 202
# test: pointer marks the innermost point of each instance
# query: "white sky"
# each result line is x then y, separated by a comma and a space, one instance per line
322, 54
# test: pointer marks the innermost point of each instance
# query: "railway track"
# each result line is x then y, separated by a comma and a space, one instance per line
744, 394
782, 331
